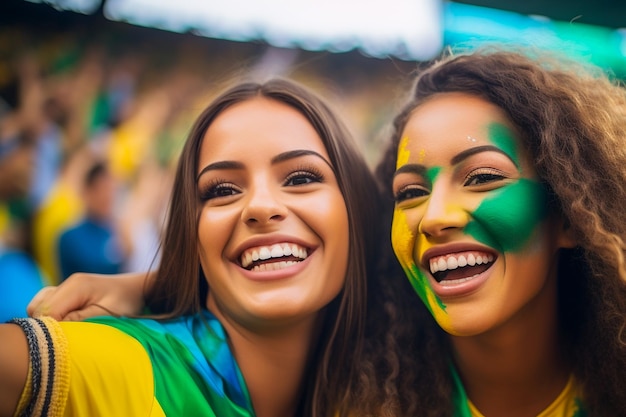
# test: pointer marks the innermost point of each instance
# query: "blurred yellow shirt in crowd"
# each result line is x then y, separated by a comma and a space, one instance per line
63, 207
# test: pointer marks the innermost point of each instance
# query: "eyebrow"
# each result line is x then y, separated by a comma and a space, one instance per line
421, 170
285, 156
472, 151
411, 169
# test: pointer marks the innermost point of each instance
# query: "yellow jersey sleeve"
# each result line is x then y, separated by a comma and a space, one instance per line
85, 369
110, 373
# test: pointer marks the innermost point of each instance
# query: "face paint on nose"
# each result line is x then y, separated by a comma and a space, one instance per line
404, 240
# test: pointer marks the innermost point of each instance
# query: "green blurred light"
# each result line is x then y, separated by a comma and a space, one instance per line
468, 26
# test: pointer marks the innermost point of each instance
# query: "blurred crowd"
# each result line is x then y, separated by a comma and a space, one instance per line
90, 132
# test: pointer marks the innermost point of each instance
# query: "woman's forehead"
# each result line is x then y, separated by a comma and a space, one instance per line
459, 120
260, 123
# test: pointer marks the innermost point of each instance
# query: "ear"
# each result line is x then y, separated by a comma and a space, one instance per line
565, 238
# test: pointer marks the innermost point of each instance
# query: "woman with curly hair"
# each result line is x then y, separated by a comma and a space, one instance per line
508, 172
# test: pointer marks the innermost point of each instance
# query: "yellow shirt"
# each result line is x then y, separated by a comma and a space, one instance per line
62, 207
567, 404
84, 379
109, 367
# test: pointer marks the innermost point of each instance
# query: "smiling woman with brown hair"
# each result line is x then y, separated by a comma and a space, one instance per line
260, 295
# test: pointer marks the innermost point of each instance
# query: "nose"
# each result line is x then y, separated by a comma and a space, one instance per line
263, 206
443, 213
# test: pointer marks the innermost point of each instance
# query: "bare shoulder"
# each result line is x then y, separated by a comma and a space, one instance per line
13, 367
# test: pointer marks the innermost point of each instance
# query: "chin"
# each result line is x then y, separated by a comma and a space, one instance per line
461, 332
280, 311
463, 325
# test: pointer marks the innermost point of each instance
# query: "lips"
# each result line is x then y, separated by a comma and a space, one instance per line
273, 257
455, 268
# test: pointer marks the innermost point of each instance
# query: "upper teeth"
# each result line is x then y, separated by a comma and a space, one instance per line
448, 262
274, 251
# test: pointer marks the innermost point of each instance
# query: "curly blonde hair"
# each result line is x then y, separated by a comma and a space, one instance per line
572, 118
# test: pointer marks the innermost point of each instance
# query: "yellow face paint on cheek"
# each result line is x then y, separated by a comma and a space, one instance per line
403, 240
404, 243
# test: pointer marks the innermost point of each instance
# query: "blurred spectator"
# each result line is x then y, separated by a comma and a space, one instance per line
130, 100
61, 209
37, 112
94, 244
20, 277
144, 216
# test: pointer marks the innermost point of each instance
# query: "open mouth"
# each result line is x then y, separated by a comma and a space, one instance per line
460, 267
273, 257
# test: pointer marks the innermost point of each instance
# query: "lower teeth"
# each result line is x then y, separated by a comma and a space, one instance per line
274, 266
456, 281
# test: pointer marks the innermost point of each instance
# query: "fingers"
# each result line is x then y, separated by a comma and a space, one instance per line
39, 304
58, 301
89, 311
43, 304
85, 295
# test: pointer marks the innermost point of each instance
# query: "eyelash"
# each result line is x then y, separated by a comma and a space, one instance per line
309, 173
483, 176
216, 186
409, 192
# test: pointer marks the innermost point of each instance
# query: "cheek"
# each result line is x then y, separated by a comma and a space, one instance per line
327, 217
402, 238
337, 230
337, 215
214, 227
507, 220
405, 244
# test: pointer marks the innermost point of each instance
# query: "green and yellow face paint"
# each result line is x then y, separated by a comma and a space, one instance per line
504, 219
404, 241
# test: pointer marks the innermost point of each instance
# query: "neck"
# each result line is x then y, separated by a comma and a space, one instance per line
518, 366
273, 364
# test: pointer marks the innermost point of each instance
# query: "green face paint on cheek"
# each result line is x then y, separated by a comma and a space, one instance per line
508, 217
507, 220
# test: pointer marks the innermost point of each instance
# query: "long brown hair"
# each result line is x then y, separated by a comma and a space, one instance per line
572, 120
181, 288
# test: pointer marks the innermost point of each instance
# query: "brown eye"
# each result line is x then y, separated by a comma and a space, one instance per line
483, 176
409, 193
218, 191
302, 178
